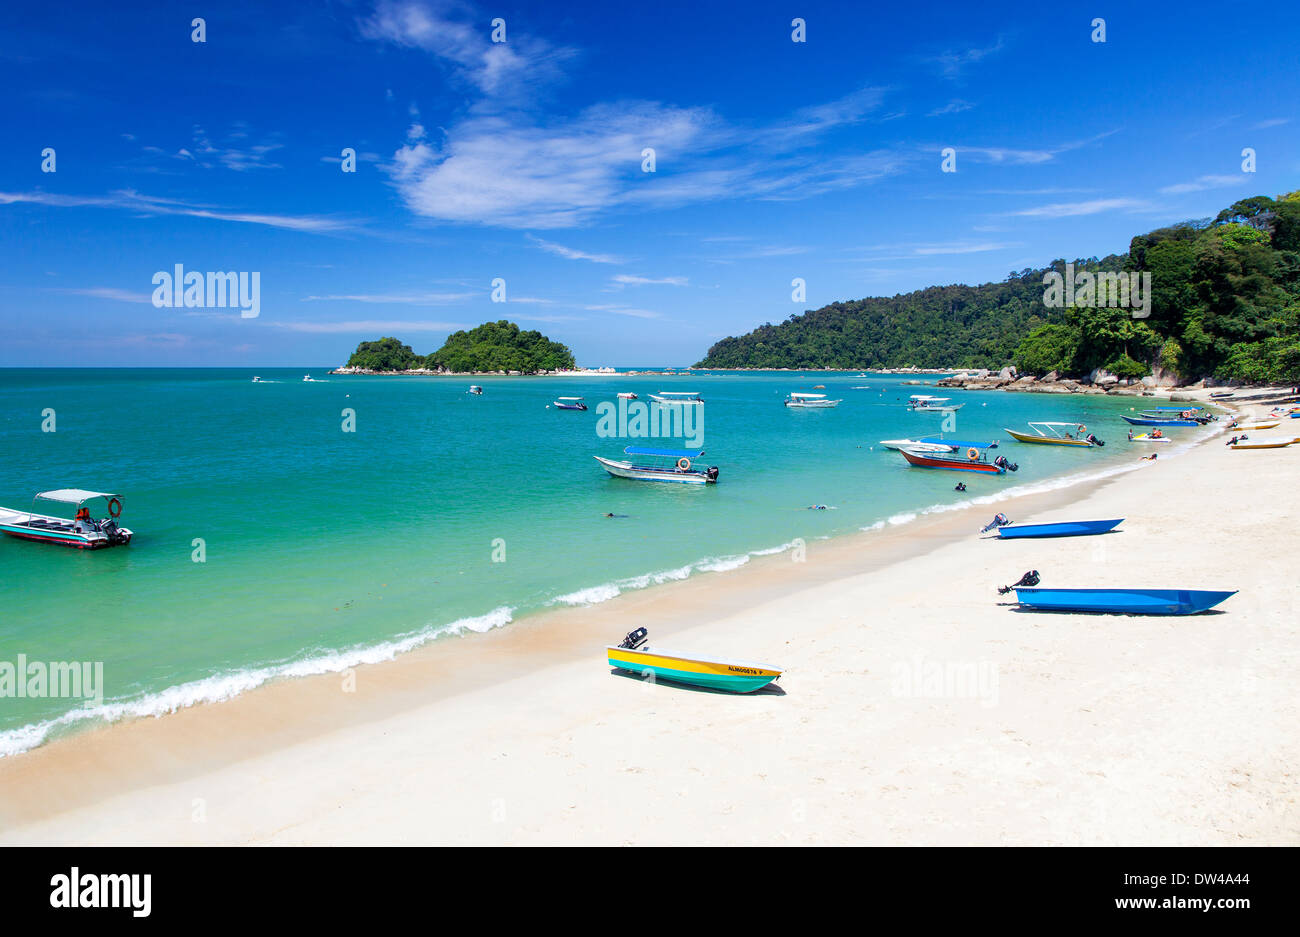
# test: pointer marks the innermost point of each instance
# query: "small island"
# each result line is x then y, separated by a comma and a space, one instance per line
492, 348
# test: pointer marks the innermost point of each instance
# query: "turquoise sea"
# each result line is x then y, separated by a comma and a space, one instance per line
441, 513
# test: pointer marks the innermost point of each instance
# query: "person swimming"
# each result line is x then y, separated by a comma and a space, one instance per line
961, 486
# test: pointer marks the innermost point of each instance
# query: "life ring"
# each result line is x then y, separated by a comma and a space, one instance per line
1186, 414
1081, 429
114, 508
683, 464
973, 454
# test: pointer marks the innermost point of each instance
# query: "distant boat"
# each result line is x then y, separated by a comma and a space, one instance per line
1121, 601
475, 389
256, 379
569, 403
714, 673
82, 532
927, 402
1151, 421
972, 460
670, 465
1055, 433
811, 401
677, 397
628, 396
1058, 529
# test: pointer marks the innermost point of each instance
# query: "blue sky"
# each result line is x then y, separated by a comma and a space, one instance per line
523, 161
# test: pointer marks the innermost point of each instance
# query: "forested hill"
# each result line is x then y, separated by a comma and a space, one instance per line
492, 346
1226, 303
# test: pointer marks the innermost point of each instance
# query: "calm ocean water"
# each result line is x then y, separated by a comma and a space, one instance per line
442, 513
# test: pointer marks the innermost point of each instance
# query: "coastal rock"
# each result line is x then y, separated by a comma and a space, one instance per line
1007, 374
1071, 386
1027, 379
1051, 376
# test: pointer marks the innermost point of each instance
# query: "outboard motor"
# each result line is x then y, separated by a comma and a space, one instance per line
1028, 579
1094, 440
712, 473
998, 521
635, 639
1001, 462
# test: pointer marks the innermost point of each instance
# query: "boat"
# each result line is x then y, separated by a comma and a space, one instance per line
475, 389
1121, 601
1271, 424
1262, 444
82, 532
307, 378
1147, 437
569, 403
672, 465
935, 444
972, 460
1058, 529
1152, 421
1187, 413
927, 402
811, 401
1221, 395
1056, 433
627, 396
677, 397
714, 673
256, 379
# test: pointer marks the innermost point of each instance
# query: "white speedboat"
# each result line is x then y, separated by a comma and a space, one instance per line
812, 401
82, 531
901, 444
669, 465
677, 397
927, 402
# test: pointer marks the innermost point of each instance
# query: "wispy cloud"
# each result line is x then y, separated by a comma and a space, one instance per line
625, 311
409, 299
148, 205
1203, 183
572, 253
111, 292
953, 62
1074, 209
955, 106
364, 326
1271, 122
961, 248
624, 279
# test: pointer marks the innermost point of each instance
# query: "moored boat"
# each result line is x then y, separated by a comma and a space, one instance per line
972, 460
671, 465
1059, 529
627, 396
475, 389
1153, 421
1057, 433
928, 402
811, 401
714, 673
683, 397
936, 444
569, 403
82, 531
1154, 436
1120, 601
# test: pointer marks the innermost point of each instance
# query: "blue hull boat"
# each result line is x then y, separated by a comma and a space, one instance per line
1061, 529
1121, 601
1159, 421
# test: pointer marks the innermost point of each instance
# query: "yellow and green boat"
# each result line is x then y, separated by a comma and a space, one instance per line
1058, 434
714, 673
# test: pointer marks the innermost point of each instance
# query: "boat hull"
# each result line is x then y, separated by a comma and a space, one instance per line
823, 405
645, 473
1061, 529
1149, 421
732, 676
1122, 601
64, 538
1048, 440
924, 460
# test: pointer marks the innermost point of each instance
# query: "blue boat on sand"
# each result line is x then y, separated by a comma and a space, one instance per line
1059, 529
1118, 601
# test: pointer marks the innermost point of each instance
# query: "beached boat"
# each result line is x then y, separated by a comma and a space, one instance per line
972, 459
681, 397
811, 401
1153, 436
82, 531
475, 389
569, 403
1269, 424
1121, 601
670, 465
1262, 444
1056, 433
927, 402
1059, 529
714, 673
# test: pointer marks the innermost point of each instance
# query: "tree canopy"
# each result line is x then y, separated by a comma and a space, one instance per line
1225, 303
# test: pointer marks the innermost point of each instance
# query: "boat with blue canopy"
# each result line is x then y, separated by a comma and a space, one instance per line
661, 465
1118, 601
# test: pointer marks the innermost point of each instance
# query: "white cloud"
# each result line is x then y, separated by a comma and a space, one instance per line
1271, 122
110, 292
571, 253
624, 279
955, 106
1203, 183
954, 61
412, 299
1074, 209
364, 326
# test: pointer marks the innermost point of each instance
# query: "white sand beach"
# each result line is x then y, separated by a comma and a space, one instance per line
917, 708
